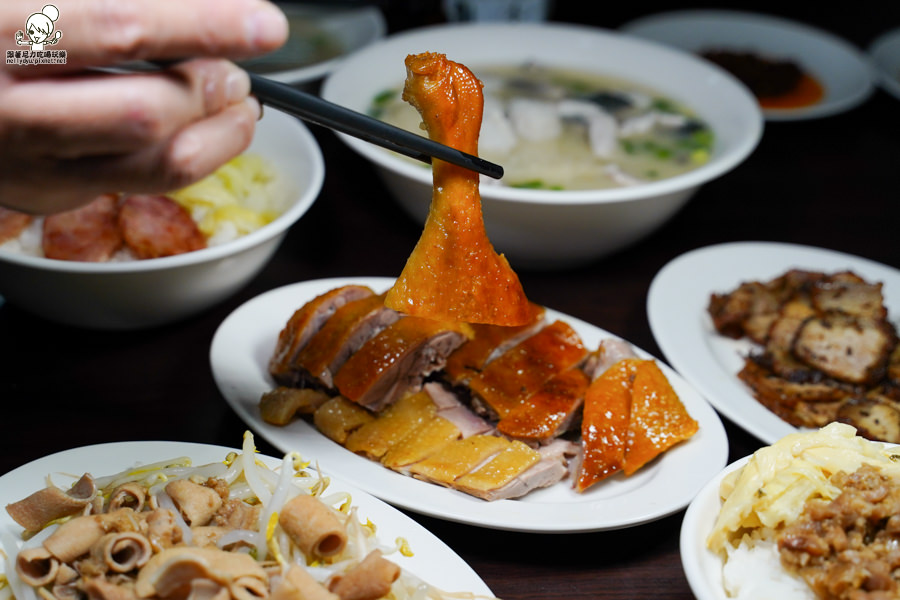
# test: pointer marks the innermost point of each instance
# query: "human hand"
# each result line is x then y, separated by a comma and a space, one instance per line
67, 134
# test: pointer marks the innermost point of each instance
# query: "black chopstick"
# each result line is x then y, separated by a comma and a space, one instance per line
317, 110
313, 109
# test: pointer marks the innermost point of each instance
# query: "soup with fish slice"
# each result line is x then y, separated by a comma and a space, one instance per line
566, 130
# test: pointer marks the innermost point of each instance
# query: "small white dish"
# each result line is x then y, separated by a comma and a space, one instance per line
432, 560
320, 36
677, 311
703, 567
885, 55
841, 68
239, 356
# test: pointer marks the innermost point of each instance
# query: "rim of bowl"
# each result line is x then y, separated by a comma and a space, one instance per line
306, 196
718, 165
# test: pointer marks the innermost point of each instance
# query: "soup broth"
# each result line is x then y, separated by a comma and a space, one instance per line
565, 130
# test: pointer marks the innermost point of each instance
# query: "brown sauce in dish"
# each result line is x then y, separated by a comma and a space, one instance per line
776, 83
848, 547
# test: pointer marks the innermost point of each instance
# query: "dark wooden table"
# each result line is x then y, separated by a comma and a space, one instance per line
831, 182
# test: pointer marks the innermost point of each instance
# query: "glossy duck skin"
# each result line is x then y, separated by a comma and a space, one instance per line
454, 273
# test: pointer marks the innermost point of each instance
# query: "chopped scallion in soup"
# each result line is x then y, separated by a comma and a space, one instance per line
565, 130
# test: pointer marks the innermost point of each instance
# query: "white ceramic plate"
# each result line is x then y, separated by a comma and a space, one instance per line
702, 566
885, 55
432, 560
840, 67
677, 310
320, 36
239, 355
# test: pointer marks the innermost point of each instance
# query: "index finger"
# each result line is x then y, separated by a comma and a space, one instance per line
96, 32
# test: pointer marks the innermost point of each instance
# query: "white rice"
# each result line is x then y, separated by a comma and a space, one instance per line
753, 571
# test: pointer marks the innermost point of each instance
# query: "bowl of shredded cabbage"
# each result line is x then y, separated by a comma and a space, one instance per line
602, 136
162, 258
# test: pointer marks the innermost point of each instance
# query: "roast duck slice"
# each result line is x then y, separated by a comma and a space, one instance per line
529, 410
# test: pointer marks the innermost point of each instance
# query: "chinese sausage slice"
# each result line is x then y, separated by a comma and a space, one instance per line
454, 273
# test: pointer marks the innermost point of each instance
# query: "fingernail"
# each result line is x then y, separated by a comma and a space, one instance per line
237, 85
255, 106
268, 27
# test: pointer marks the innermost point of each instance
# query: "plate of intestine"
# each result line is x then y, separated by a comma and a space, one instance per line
783, 337
429, 438
793, 520
230, 520
796, 70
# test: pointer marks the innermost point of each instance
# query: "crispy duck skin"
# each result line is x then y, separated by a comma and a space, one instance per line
454, 273
397, 360
303, 324
550, 411
522, 370
350, 326
488, 341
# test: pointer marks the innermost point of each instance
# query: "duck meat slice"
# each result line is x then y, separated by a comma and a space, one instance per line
846, 347
489, 341
451, 408
338, 418
303, 324
13, 223
376, 437
549, 412
608, 352
458, 458
420, 443
352, 325
397, 360
512, 473
90, 233
522, 370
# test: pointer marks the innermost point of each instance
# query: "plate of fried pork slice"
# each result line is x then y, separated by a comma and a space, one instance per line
247, 359
783, 337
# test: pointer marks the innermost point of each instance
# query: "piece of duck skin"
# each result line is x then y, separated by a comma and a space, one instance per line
454, 273
303, 324
489, 341
550, 411
522, 370
397, 360
352, 325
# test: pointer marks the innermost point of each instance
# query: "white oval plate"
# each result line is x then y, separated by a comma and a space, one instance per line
885, 55
433, 561
239, 355
348, 28
840, 67
677, 311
